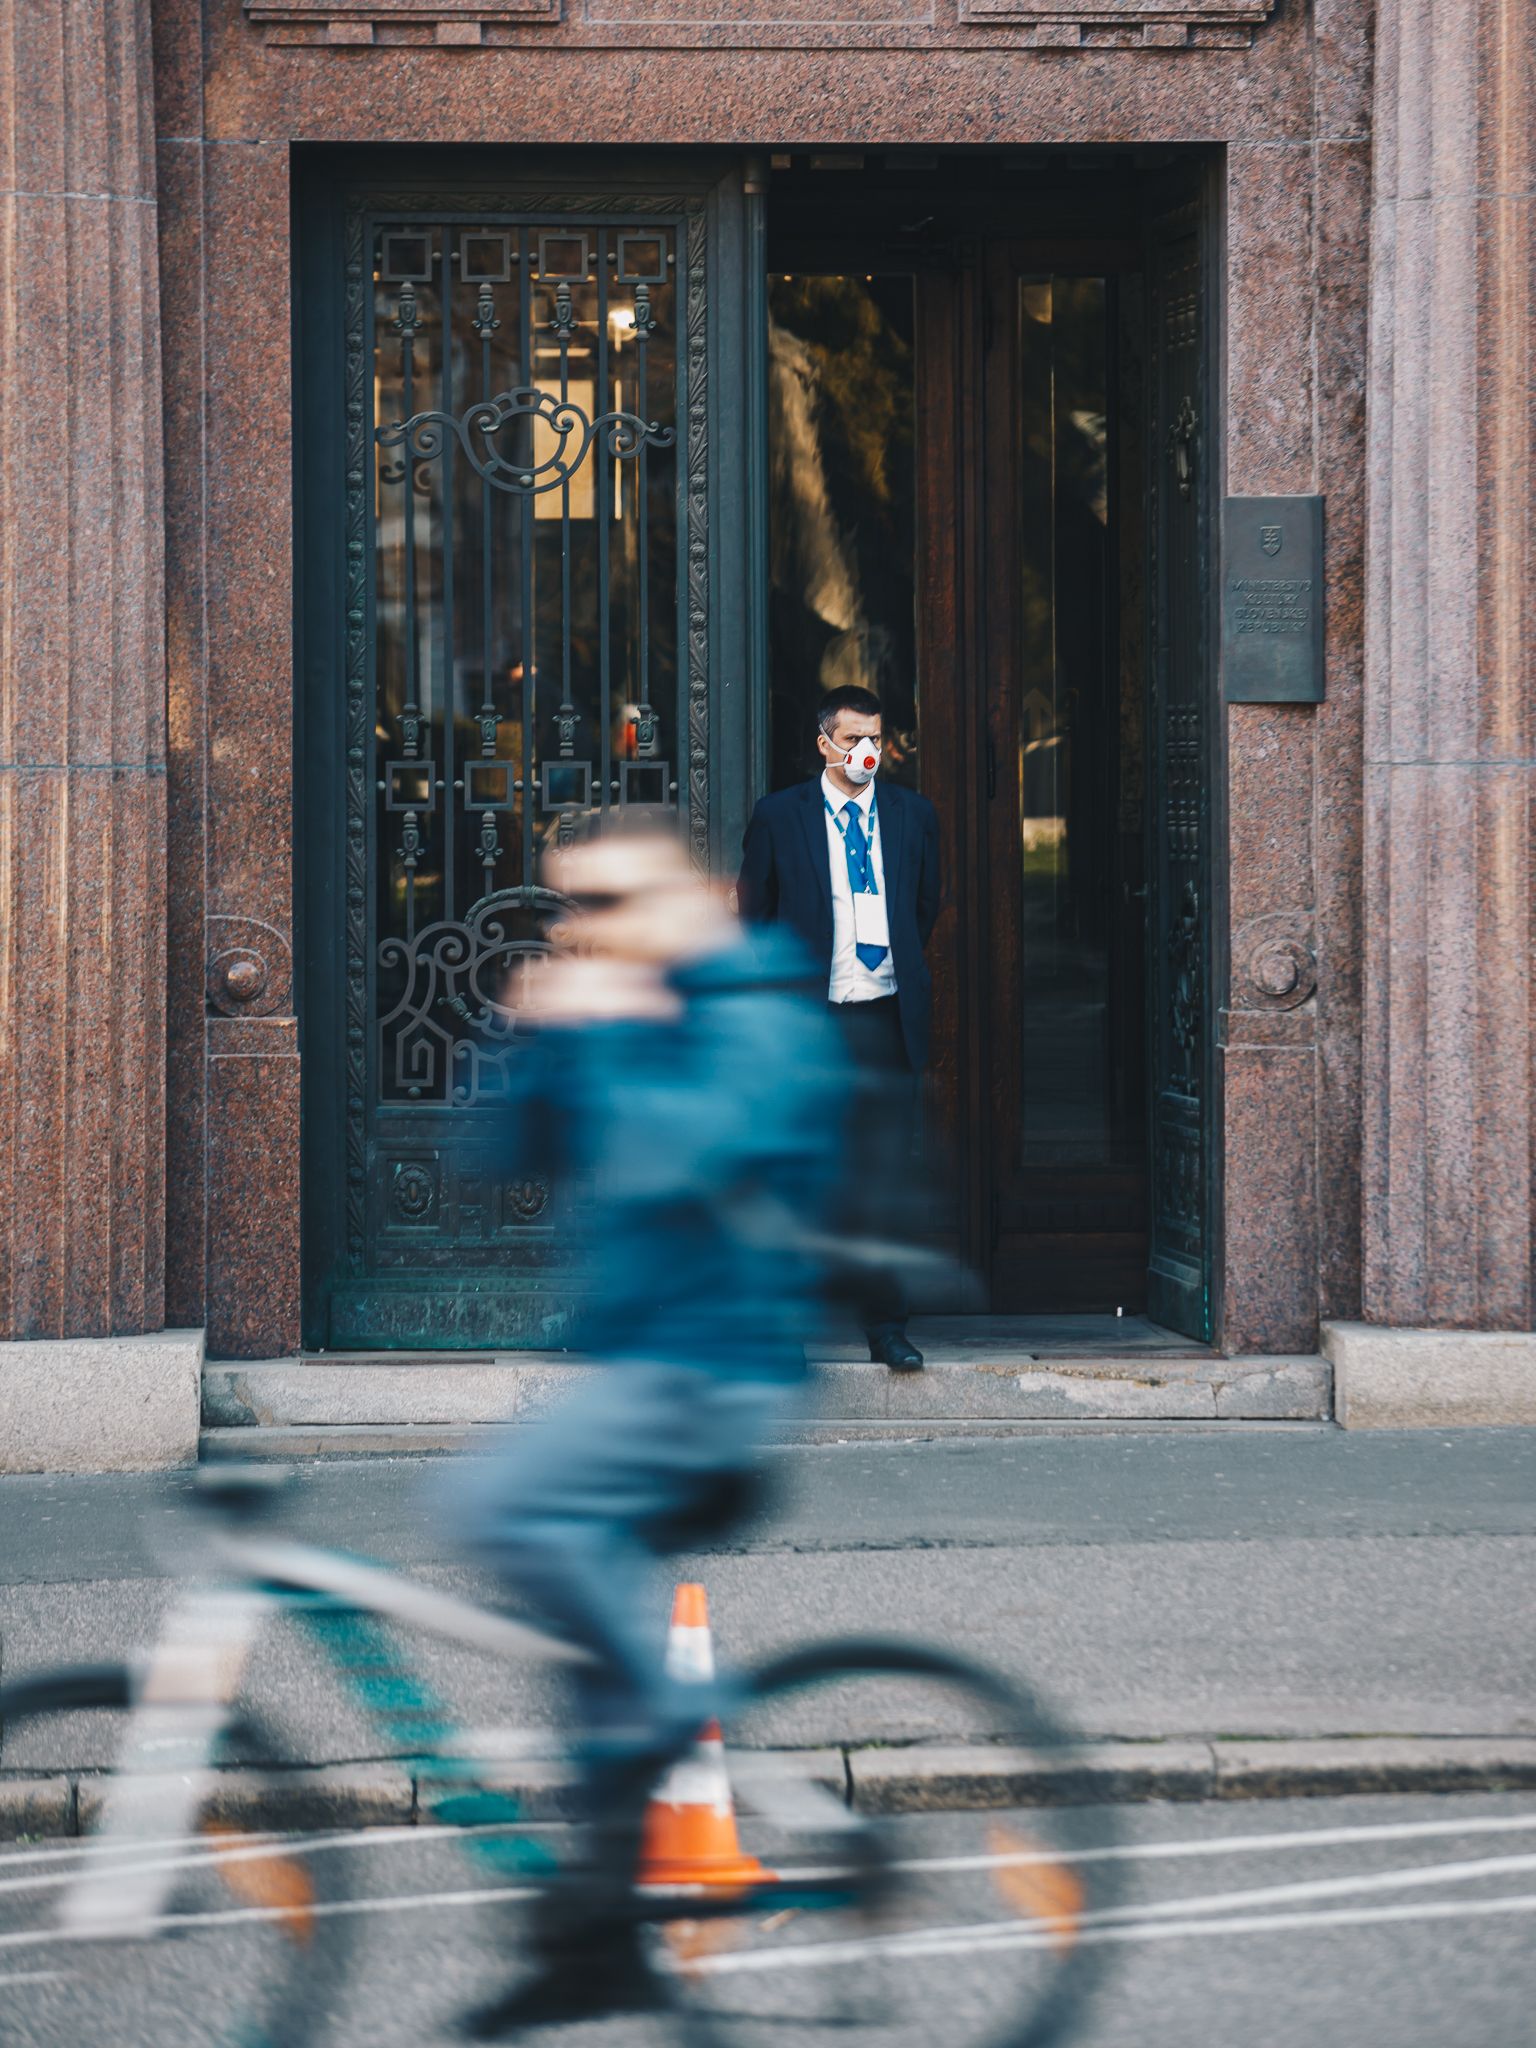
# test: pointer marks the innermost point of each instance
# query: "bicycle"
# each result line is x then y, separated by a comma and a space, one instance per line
175, 1921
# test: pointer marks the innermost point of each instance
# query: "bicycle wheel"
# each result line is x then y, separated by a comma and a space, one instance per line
239, 1951
958, 1909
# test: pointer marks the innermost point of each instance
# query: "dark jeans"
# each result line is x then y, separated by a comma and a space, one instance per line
881, 1180
644, 1461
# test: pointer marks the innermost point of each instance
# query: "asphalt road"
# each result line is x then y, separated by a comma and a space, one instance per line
1228, 1483
1156, 1583
1381, 1923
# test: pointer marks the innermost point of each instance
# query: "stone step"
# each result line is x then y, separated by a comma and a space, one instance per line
408, 1440
391, 1394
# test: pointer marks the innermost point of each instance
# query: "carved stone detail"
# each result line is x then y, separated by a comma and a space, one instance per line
1274, 961
636, 24
1123, 24
250, 968
357, 24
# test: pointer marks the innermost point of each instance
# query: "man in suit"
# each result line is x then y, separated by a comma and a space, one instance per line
854, 870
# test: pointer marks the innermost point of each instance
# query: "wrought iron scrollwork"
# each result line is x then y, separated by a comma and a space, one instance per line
527, 644
449, 1036
1186, 991
425, 435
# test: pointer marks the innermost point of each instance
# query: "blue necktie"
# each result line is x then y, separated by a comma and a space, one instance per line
860, 880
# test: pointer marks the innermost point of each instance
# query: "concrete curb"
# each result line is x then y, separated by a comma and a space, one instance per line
966, 1777
926, 1778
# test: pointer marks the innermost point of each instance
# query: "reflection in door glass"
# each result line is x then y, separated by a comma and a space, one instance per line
1071, 735
842, 518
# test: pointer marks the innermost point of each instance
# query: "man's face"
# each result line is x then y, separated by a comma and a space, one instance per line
850, 728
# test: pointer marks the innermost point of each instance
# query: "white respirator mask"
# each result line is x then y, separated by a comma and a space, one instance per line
861, 761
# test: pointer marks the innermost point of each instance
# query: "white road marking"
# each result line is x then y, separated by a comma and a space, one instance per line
941, 1942
260, 1845
988, 1934
252, 1848
237, 1916
908, 1947
1419, 1876
1233, 1845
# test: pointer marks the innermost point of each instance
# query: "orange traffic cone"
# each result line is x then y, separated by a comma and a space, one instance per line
690, 1826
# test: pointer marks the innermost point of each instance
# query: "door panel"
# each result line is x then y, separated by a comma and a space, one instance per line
532, 610
1063, 1015
1179, 556
1029, 698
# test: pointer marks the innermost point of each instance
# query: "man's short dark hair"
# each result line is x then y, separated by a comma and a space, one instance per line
851, 697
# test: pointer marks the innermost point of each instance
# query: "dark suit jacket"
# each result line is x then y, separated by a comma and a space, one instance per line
786, 878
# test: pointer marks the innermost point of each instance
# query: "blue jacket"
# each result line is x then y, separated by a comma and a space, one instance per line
786, 879
674, 1140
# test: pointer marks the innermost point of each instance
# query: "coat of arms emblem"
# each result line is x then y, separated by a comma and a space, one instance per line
1269, 539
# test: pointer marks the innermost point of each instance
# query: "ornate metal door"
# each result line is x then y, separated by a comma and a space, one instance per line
526, 549
1180, 698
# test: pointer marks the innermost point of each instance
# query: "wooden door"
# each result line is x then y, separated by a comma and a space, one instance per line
1049, 703
1032, 751
1061, 1006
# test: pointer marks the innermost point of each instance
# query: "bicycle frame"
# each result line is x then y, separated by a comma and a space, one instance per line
186, 1697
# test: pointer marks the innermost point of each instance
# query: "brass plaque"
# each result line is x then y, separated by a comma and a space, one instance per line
1272, 600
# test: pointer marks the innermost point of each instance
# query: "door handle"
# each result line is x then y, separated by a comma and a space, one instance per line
991, 766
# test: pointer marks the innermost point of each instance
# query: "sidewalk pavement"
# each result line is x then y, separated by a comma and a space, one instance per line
1224, 1612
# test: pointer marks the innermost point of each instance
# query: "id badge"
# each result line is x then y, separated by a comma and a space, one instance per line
869, 921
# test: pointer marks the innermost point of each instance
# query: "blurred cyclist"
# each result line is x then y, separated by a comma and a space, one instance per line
684, 1081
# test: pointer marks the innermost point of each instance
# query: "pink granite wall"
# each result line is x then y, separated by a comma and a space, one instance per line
82, 678
1295, 380
1451, 645
1285, 87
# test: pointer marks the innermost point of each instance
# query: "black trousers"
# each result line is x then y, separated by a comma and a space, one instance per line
882, 1187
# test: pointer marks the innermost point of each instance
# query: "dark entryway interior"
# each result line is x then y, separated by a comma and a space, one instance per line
941, 424
958, 432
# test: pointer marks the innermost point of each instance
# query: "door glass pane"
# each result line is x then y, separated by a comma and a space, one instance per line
843, 510
1072, 738
525, 643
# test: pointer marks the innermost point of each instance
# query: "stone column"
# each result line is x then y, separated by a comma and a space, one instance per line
82, 707
1450, 665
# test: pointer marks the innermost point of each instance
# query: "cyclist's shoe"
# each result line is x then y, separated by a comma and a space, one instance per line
607, 1973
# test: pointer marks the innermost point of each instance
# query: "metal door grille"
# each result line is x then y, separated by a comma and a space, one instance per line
527, 648
1179, 1277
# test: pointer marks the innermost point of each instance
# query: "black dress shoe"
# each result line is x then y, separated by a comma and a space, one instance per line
894, 1349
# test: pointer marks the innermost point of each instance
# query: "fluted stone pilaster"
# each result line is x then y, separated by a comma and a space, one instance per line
82, 677
1451, 669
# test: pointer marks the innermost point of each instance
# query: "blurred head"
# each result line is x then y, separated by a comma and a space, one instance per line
636, 897
850, 736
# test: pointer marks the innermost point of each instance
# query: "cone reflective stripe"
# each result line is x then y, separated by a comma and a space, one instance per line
690, 1653
690, 1826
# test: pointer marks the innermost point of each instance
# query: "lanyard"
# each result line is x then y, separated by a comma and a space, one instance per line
870, 833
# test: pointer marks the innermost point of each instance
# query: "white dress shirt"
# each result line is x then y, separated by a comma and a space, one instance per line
852, 981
